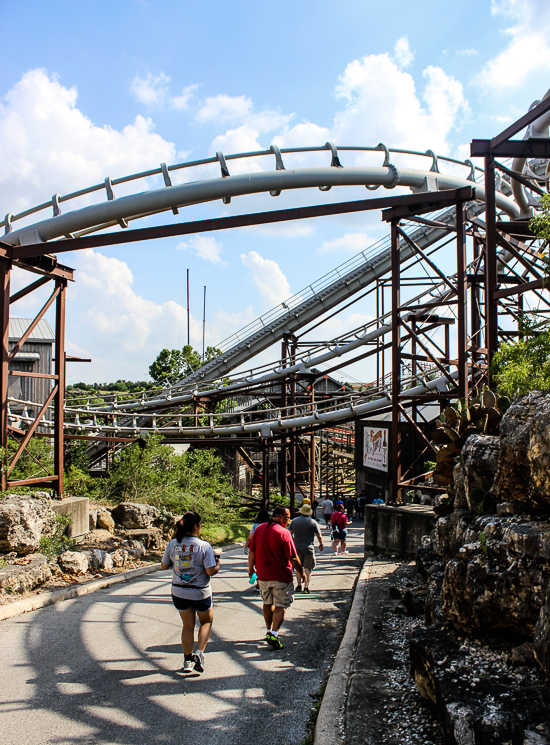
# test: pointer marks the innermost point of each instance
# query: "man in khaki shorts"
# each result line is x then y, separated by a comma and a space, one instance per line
273, 555
304, 529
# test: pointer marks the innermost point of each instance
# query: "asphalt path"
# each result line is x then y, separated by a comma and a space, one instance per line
105, 668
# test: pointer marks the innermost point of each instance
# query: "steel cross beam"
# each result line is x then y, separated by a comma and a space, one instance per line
413, 204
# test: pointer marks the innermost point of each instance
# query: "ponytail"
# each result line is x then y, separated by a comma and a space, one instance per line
186, 525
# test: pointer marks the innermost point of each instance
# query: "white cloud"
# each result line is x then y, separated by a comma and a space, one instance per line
402, 52
467, 52
151, 90
528, 50
268, 277
182, 101
48, 145
122, 331
382, 105
224, 108
205, 246
348, 243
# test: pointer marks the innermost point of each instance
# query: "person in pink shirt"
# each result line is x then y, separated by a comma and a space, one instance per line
272, 556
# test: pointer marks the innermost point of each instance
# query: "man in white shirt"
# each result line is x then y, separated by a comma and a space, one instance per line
328, 509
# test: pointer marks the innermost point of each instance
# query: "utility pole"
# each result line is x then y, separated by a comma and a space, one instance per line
203, 321
188, 334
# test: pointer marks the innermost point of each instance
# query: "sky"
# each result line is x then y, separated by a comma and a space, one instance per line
96, 89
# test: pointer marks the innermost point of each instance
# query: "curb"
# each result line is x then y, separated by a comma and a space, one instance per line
67, 593
26, 605
328, 730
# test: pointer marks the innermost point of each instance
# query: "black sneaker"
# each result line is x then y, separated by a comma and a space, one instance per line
273, 641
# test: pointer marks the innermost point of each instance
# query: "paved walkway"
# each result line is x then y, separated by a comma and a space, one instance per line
105, 668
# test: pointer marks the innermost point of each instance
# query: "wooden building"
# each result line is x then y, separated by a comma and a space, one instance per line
36, 355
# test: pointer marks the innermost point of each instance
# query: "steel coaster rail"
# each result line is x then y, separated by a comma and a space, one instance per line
165, 170
352, 405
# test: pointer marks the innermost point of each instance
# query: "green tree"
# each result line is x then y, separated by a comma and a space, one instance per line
173, 364
523, 366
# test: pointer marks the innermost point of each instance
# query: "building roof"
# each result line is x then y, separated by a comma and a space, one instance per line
42, 333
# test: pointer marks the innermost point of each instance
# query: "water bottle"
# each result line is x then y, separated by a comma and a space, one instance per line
253, 579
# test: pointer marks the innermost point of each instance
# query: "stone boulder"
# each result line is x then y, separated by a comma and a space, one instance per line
105, 521
24, 575
477, 697
23, 521
136, 516
450, 533
73, 562
542, 636
502, 584
479, 459
521, 443
120, 557
98, 559
152, 539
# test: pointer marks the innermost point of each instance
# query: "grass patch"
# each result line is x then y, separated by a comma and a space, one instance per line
220, 535
314, 713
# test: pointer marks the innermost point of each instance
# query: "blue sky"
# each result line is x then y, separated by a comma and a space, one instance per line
100, 89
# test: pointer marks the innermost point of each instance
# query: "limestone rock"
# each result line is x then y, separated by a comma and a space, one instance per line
73, 562
23, 520
498, 590
490, 707
450, 531
120, 557
432, 568
99, 559
92, 518
479, 459
23, 577
135, 516
513, 478
541, 640
105, 521
151, 539
458, 489
136, 548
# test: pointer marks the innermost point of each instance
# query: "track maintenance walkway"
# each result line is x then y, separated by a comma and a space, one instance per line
105, 668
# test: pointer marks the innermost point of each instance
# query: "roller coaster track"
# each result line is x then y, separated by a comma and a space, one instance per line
310, 304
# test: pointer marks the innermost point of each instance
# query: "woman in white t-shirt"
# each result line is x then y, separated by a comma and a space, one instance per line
193, 562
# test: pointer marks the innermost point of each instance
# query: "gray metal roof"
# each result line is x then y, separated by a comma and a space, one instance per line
42, 333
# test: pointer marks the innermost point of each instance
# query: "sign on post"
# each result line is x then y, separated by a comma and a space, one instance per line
375, 448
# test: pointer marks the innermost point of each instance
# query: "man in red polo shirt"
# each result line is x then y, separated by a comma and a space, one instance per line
273, 554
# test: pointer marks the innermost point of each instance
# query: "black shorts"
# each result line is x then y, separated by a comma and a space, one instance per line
201, 606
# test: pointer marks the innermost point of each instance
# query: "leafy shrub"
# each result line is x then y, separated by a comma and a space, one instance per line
53, 545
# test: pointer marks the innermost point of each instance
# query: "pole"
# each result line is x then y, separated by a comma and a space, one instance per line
396, 365
59, 399
188, 334
203, 321
5, 272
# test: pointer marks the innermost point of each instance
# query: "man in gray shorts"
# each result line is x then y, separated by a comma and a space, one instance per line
304, 529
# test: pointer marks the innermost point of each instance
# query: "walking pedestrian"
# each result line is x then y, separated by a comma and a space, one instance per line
350, 507
339, 521
328, 508
261, 517
194, 562
272, 555
304, 529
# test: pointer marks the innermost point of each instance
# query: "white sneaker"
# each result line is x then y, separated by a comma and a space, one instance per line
188, 666
198, 659
336, 553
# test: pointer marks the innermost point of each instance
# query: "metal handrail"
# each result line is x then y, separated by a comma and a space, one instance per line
107, 185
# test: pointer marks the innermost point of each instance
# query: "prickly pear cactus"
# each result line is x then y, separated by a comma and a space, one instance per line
480, 416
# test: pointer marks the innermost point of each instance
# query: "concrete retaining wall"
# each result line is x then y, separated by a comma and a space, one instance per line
396, 530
